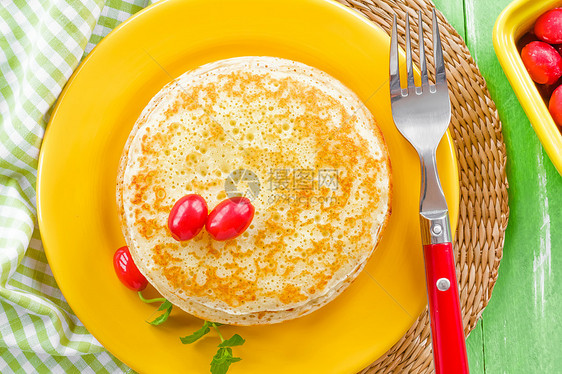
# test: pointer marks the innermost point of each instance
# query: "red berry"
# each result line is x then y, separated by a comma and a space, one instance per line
542, 61
187, 217
555, 106
127, 271
230, 218
548, 27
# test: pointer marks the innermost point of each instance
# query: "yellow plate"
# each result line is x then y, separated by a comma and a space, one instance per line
78, 168
518, 18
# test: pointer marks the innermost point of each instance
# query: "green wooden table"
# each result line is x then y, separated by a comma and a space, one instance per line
521, 329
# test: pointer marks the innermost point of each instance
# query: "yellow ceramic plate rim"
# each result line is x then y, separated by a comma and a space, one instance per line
511, 24
77, 170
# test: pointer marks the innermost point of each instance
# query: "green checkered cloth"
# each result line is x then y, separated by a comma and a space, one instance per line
41, 43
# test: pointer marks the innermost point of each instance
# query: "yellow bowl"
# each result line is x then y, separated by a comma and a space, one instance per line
517, 19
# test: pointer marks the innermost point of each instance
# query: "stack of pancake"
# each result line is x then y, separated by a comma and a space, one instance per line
323, 202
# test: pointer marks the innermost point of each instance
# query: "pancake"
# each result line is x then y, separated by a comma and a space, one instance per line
324, 188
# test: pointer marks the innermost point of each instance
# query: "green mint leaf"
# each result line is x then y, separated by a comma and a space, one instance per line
163, 317
197, 334
165, 305
233, 341
222, 360
220, 363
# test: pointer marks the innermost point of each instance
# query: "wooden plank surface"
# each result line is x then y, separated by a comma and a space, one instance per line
453, 10
475, 350
521, 329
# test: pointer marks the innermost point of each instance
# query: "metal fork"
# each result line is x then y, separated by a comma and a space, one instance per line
422, 115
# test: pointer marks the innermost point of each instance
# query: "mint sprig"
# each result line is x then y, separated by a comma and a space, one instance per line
233, 341
197, 334
223, 358
222, 361
166, 306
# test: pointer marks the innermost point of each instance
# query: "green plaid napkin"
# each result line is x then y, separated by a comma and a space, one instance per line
41, 43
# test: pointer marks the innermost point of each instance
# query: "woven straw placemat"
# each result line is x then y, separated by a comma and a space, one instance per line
476, 130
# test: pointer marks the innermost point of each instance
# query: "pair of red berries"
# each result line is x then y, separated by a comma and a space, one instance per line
188, 216
227, 220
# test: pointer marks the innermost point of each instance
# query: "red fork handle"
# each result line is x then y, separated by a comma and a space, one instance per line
449, 348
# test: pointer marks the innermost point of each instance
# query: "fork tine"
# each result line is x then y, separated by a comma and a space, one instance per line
440, 76
409, 63
423, 62
394, 62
